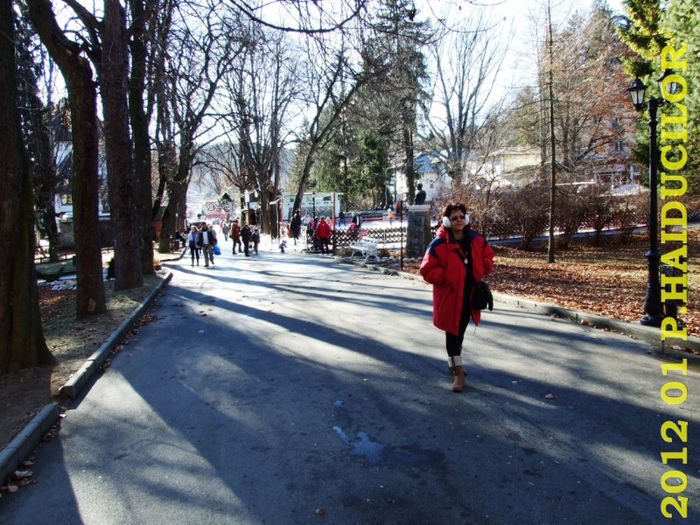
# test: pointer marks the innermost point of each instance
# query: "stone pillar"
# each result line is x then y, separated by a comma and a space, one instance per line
418, 234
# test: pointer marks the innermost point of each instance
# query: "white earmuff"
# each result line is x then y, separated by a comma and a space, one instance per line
466, 219
446, 222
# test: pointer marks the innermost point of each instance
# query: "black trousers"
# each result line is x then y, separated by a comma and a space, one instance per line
236, 242
194, 252
453, 343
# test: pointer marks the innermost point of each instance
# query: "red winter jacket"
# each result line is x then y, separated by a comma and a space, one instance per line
323, 230
443, 267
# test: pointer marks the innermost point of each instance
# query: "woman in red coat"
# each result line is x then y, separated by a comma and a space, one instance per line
456, 259
323, 234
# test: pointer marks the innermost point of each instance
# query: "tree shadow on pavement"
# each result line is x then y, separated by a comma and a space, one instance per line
263, 405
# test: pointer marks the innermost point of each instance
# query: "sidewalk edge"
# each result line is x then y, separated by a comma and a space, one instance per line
77, 381
647, 334
23, 443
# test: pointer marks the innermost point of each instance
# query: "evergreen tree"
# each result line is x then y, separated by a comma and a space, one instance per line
396, 56
680, 20
643, 35
647, 29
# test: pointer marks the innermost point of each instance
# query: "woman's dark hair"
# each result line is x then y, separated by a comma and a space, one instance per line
449, 208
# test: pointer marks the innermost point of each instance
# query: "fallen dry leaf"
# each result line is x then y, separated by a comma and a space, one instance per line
20, 474
52, 433
27, 481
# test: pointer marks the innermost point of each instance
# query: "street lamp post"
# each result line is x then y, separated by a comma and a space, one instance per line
313, 204
652, 302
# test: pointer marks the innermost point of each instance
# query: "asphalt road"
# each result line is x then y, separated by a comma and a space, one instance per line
290, 388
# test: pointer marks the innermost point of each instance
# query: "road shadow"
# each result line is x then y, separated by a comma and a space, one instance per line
245, 401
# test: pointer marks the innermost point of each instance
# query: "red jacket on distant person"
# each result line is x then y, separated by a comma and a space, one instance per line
323, 230
443, 267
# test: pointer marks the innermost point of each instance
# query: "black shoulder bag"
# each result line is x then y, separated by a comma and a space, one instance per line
482, 297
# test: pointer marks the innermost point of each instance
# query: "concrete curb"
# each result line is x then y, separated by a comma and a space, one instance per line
77, 381
24, 442
647, 334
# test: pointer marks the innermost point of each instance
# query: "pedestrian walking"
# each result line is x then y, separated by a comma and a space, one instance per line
236, 236
255, 237
246, 234
225, 229
310, 235
454, 262
193, 244
207, 241
295, 226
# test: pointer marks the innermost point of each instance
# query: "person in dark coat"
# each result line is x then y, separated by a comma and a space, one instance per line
207, 240
454, 262
236, 236
255, 237
246, 235
295, 226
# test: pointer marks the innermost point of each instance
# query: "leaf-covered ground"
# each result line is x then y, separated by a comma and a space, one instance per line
24, 393
609, 280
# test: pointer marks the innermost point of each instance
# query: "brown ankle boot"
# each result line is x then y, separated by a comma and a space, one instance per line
458, 373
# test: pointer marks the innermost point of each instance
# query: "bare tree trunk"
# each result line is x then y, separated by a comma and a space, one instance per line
308, 164
82, 97
165, 226
91, 296
45, 180
408, 151
177, 197
113, 81
552, 139
173, 213
22, 342
166, 171
51, 229
139, 127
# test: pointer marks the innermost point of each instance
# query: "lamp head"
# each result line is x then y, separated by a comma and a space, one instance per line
636, 91
672, 86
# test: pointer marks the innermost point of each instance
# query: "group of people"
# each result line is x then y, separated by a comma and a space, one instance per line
243, 237
318, 232
204, 239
